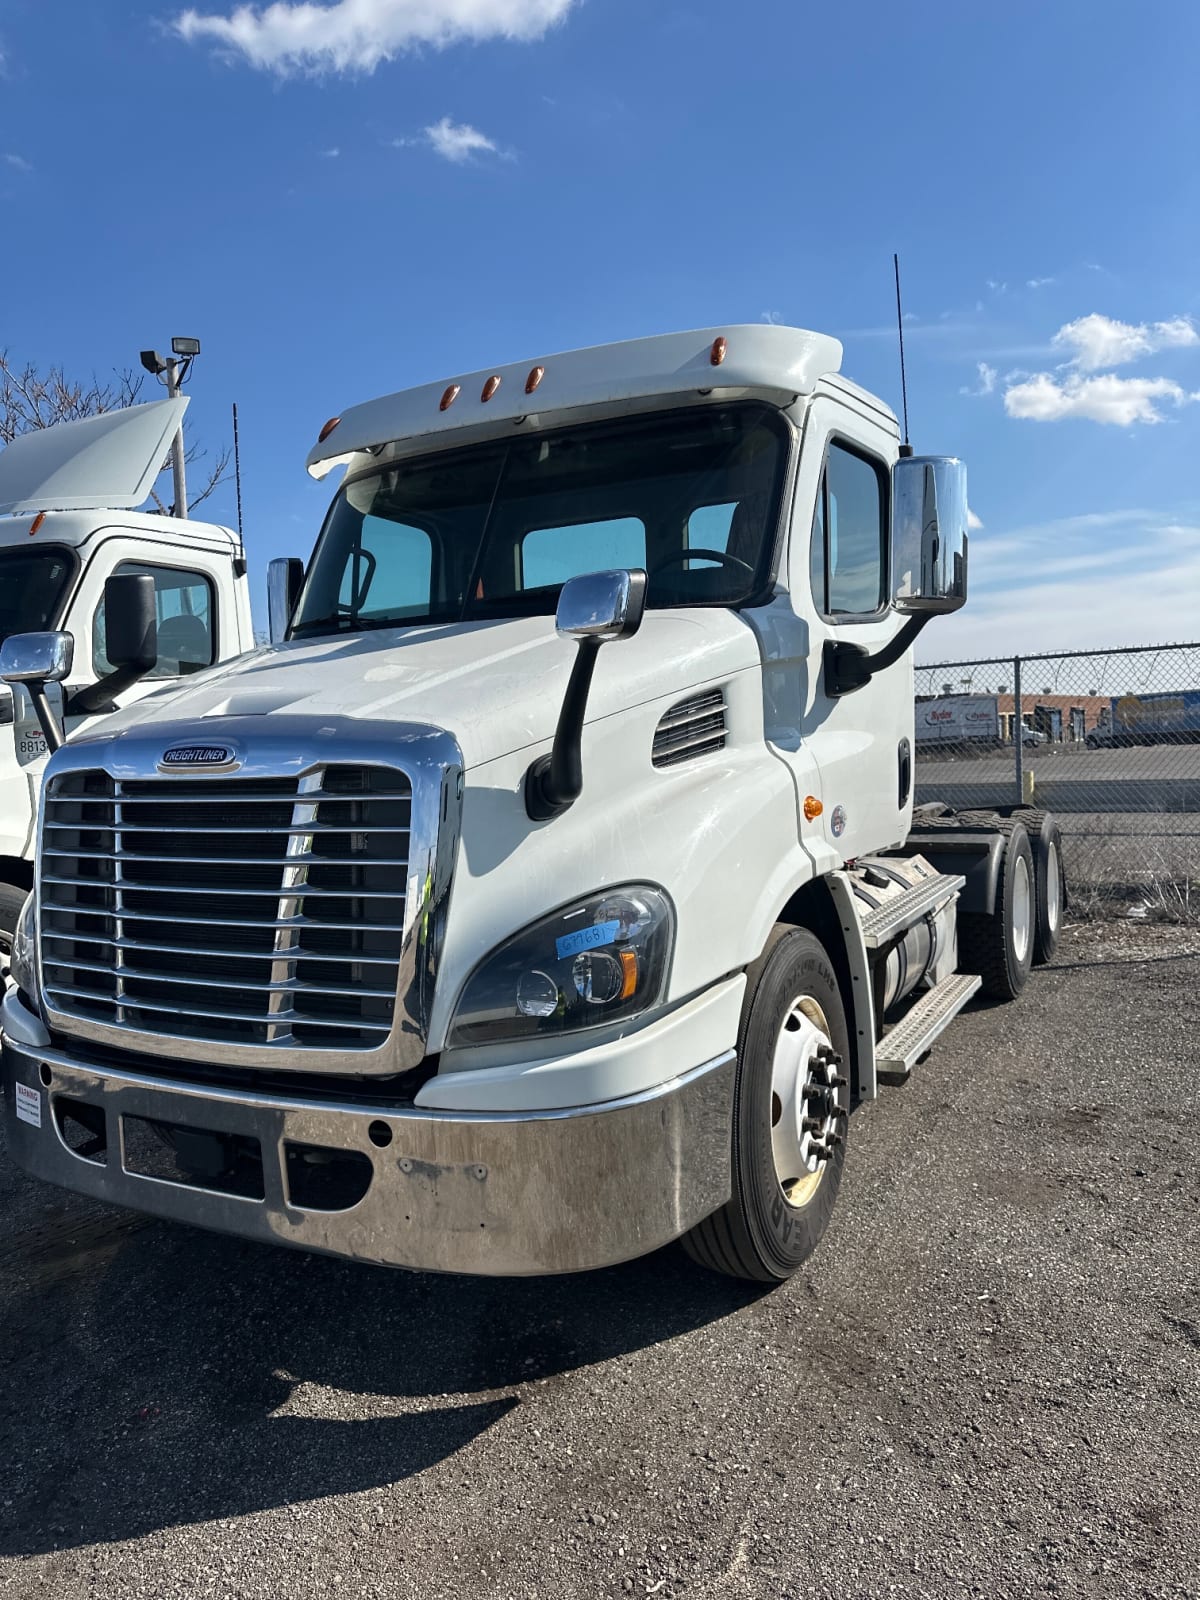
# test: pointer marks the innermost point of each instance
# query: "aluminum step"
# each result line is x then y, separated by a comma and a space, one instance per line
884, 922
907, 1042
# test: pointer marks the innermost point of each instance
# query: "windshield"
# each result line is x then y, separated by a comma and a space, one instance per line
33, 587
495, 530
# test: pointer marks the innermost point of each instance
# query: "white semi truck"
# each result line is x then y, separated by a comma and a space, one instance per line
68, 525
446, 935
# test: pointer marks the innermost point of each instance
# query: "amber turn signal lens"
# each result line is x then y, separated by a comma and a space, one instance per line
448, 398
812, 808
535, 377
717, 354
629, 971
328, 429
36, 523
490, 387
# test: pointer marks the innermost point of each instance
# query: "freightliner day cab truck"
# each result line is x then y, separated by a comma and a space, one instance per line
68, 525
442, 935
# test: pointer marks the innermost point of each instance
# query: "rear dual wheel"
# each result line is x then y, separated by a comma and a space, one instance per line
791, 1102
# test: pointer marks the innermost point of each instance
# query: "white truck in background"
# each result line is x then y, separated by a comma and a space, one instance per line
551, 888
68, 525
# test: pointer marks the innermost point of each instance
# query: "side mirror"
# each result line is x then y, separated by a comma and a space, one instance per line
593, 609
36, 657
601, 606
929, 535
131, 622
284, 577
130, 642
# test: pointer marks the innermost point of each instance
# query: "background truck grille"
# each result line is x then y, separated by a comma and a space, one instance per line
251, 911
693, 728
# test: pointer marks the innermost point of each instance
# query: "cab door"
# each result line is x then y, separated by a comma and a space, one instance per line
195, 627
861, 742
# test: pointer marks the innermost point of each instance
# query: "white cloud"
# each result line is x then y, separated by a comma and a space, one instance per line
16, 162
1076, 583
1103, 398
331, 154
458, 141
1038, 283
987, 379
356, 35
973, 522
1097, 341
773, 319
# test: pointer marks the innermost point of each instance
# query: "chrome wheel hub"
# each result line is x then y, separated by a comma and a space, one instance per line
1022, 909
808, 1094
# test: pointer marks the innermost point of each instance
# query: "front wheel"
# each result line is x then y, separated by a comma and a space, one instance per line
789, 1116
12, 903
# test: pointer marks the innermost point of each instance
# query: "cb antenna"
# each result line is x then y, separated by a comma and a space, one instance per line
237, 468
905, 448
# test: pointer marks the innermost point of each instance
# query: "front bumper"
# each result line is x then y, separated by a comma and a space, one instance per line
498, 1194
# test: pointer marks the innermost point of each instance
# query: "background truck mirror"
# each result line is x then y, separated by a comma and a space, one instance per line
130, 641
929, 535
284, 577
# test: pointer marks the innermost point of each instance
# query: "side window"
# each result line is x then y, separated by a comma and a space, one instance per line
390, 573
552, 555
186, 621
849, 537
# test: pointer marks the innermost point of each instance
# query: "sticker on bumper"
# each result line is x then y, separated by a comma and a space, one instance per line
29, 1105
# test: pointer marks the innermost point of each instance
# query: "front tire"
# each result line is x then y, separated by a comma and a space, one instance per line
791, 1102
12, 902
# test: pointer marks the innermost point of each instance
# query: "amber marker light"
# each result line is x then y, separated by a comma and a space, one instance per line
490, 387
812, 808
535, 377
328, 429
449, 396
720, 348
629, 969
36, 523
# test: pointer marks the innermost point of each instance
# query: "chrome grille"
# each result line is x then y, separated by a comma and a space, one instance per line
261, 911
693, 728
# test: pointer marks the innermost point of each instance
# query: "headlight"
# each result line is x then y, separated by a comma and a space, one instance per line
23, 962
597, 960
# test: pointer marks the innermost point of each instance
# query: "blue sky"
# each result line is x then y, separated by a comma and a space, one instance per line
345, 199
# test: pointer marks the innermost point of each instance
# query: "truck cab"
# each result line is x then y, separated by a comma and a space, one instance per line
68, 524
550, 889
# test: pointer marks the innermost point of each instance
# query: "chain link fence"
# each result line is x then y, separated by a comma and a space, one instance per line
1109, 740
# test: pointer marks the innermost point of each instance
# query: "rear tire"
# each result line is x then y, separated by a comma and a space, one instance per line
1050, 879
793, 1055
999, 947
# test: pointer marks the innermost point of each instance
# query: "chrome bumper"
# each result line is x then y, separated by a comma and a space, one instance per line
503, 1194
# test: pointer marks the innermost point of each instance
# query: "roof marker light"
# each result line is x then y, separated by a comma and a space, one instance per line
36, 523
812, 808
328, 429
719, 348
449, 397
535, 377
490, 387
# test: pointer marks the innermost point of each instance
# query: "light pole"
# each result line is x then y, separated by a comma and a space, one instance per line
175, 369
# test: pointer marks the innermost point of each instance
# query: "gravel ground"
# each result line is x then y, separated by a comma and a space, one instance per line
986, 1382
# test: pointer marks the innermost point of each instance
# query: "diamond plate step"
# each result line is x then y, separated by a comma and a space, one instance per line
891, 918
908, 1041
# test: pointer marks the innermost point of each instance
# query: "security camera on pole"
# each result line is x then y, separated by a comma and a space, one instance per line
175, 368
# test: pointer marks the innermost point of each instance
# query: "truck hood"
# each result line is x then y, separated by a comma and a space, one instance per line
496, 686
105, 462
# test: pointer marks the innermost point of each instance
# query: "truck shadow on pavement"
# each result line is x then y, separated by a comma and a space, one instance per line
160, 1376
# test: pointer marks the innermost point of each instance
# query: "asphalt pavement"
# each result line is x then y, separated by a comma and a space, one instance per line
985, 1383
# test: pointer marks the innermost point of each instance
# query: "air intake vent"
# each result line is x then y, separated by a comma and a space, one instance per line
693, 728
